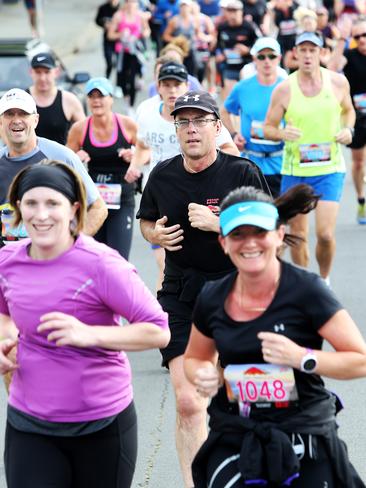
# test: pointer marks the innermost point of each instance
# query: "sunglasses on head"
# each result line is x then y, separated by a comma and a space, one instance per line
262, 57
174, 70
358, 36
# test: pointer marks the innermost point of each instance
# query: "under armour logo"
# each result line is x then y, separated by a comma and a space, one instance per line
195, 98
279, 327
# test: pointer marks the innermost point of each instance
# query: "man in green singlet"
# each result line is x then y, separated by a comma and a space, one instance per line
319, 116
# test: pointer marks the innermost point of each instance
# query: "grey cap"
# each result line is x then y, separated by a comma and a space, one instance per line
309, 37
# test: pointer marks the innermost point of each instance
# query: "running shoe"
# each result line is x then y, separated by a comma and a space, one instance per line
361, 214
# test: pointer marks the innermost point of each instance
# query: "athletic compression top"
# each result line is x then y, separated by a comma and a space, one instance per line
105, 166
319, 119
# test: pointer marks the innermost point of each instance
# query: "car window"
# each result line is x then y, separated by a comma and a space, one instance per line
14, 72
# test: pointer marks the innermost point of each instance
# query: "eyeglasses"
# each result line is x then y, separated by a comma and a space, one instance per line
197, 123
262, 57
358, 36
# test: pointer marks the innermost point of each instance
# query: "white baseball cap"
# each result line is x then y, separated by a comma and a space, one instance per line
265, 43
16, 98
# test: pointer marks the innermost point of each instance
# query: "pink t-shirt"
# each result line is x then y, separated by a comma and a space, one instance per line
94, 284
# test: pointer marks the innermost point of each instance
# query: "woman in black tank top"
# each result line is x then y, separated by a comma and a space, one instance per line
103, 141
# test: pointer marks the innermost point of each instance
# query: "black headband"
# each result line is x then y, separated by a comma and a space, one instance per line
54, 177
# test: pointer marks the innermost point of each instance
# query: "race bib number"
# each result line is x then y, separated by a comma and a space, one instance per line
359, 101
232, 56
111, 194
260, 384
257, 135
314, 154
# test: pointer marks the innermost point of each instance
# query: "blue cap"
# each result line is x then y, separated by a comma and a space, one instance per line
260, 214
309, 37
102, 84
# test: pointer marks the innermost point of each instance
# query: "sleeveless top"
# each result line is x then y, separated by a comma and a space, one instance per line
188, 31
105, 166
319, 119
133, 31
53, 123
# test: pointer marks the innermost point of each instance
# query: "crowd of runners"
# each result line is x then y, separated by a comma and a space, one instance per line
241, 136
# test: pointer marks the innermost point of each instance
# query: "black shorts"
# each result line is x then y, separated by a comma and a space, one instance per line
30, 4
359, 138
180, 322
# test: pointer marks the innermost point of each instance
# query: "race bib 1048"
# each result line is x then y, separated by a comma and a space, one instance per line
263, 384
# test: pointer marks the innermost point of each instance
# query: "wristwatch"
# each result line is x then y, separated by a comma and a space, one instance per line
352, 130
309, 362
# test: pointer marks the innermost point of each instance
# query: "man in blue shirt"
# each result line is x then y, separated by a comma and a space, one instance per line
250, 100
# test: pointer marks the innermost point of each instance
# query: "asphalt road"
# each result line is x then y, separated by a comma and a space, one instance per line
157, 465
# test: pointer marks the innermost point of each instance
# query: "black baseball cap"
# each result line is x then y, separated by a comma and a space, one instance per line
173, 71
43, 60
196, 99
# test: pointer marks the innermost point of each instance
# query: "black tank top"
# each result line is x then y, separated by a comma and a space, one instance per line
105, 166
53, 123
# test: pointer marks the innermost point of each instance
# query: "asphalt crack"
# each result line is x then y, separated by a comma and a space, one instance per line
156, 435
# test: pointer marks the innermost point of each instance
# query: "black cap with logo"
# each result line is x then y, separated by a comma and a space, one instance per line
201, 100
43, 60
173, 71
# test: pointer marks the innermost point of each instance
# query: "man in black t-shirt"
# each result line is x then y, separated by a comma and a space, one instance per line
353, 63
179, 211
235, 37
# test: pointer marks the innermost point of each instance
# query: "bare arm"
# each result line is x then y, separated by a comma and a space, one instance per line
113, 33
276, 111
231, 122
200, 360
65, 329
231, 147
337, 61
74, 140
348, 116
167, 34
96, 215
72, 107
140, 157
348, 361
8, 341
145, 29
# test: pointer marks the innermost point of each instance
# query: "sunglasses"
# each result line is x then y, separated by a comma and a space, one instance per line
358, 36
173, 70
262, 57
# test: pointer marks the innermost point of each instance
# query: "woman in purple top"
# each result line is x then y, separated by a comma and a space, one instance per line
71, 419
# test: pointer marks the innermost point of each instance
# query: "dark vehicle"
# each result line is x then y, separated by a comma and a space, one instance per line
15, 57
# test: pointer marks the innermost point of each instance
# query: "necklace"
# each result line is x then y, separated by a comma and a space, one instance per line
257, 309
191, 170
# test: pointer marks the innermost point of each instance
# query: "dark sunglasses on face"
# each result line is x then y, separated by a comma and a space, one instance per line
358, 36
262, 57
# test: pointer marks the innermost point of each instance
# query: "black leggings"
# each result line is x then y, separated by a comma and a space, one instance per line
315, 473
126, 78
103, 459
